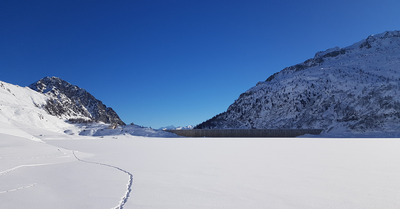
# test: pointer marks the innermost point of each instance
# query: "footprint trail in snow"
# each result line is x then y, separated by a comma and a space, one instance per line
125, 198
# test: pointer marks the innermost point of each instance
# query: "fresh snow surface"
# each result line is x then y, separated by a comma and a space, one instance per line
38, 175
198, 172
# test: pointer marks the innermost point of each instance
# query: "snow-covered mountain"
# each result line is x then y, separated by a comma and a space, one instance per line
355, 89
73, 103
22, 113
51, 108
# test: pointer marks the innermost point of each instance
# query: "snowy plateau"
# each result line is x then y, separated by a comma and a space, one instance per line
345, 91
62, 148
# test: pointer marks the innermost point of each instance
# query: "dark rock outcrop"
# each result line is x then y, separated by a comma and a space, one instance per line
73, 103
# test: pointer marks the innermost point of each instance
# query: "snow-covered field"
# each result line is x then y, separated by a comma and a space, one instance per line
198, 172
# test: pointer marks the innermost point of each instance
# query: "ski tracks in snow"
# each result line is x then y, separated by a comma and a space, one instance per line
15, 168
22, 166
125, 198
19, 188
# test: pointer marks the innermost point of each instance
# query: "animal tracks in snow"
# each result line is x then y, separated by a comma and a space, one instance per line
125, 198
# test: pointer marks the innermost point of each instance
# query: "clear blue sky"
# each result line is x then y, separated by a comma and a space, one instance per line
176, 62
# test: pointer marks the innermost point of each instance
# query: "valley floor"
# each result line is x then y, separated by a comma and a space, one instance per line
199, 172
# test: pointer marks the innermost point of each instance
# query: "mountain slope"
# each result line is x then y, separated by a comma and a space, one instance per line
22, 113
355, 89
25, 113
73, 103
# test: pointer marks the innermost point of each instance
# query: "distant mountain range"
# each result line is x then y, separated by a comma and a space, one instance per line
351, 89
172, 127
355, 89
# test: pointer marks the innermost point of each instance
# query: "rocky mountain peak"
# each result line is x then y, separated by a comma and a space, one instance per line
53, 83
73, 103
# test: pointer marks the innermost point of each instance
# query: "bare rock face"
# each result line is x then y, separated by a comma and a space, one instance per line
356, 89
73, 103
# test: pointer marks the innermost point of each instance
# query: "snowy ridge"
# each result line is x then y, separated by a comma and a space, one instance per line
21, 109
70, 102
24, 113
351, 89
